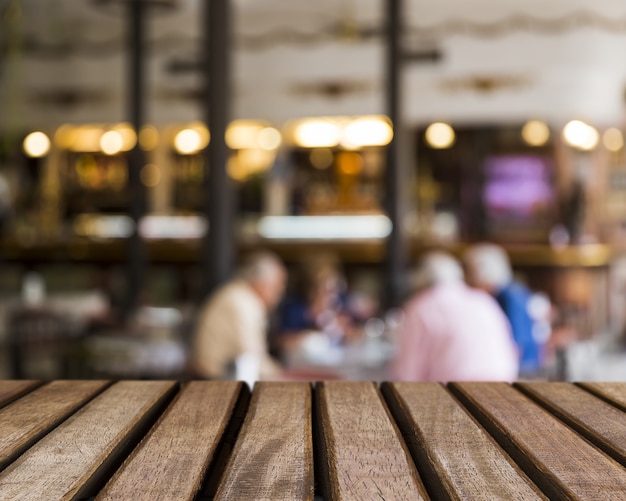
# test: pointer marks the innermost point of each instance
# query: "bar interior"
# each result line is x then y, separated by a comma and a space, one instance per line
155, 154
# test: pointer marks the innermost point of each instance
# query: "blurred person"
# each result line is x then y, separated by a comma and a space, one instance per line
452, 332
318, 302
230, 338
489, 268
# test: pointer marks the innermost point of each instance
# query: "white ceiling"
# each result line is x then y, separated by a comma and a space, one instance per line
502, 61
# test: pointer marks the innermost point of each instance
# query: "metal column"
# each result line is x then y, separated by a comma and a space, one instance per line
395, 170
136, 262
219, 245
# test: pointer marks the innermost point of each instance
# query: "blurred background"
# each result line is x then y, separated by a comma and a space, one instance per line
368, 131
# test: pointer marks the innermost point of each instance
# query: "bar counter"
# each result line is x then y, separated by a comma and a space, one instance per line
333, 440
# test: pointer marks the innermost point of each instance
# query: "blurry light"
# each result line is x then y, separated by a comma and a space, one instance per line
236, 169
203, 133
349, 163
613, 139
317, 133
269, 138
162, 226
90, 225
580, 135
325, 227
242, 134
440, 135
321, 158
187, 141
148, 137
255, 160
36, 144
367, 131
111, 142
87, 139
150, 175
65, 136
127, 132
535, 133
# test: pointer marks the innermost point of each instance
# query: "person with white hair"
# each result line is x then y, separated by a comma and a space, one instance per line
230, 339
489, 268
452, 332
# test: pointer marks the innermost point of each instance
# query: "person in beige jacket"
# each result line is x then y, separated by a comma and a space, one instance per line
230, 339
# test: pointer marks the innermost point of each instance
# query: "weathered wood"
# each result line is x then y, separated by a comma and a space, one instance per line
69, 462
614, 393
457, 458
173, 459
598, 421
273, 456
25, 421
363, 454
11, 390
556, 458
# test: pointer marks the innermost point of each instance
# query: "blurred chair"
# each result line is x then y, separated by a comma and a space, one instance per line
42, 344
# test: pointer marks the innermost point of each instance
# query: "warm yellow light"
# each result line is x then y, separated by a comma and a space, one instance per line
440, 135
150, 175
367, 131
317, 133
613, 139
65, 136
87, 139
203, 133
187, 141
269, 138
242, 134
111, 142
36, 144
127, 132
535, 133
148, 137
580, 135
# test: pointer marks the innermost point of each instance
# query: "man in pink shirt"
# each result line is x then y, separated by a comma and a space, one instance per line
452, 332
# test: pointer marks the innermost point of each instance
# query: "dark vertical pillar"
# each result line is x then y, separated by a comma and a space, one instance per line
136, 263
219, 246
394, 173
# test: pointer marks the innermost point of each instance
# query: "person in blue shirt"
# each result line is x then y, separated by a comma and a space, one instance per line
489, 268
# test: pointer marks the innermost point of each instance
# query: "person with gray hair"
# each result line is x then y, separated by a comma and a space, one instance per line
489, 268
230, 339
452, 332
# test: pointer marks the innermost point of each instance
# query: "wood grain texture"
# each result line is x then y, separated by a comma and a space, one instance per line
64, 461
615, 393
273, 457
11, 390
172, 460
556, 458
29, 418
457, 458
365, 455
598, 421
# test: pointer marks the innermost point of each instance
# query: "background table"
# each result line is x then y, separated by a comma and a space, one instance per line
332, 440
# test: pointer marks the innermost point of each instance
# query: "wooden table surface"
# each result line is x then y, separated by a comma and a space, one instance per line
164, 440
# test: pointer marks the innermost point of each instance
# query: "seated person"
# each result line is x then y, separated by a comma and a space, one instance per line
452, 332
232, 323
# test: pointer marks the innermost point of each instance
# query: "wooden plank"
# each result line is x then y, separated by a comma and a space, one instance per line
11, 390
363, 455
173, 459
614, 393
457, 458
600, 422
70, 461
556, 458
273, 456
25, 421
